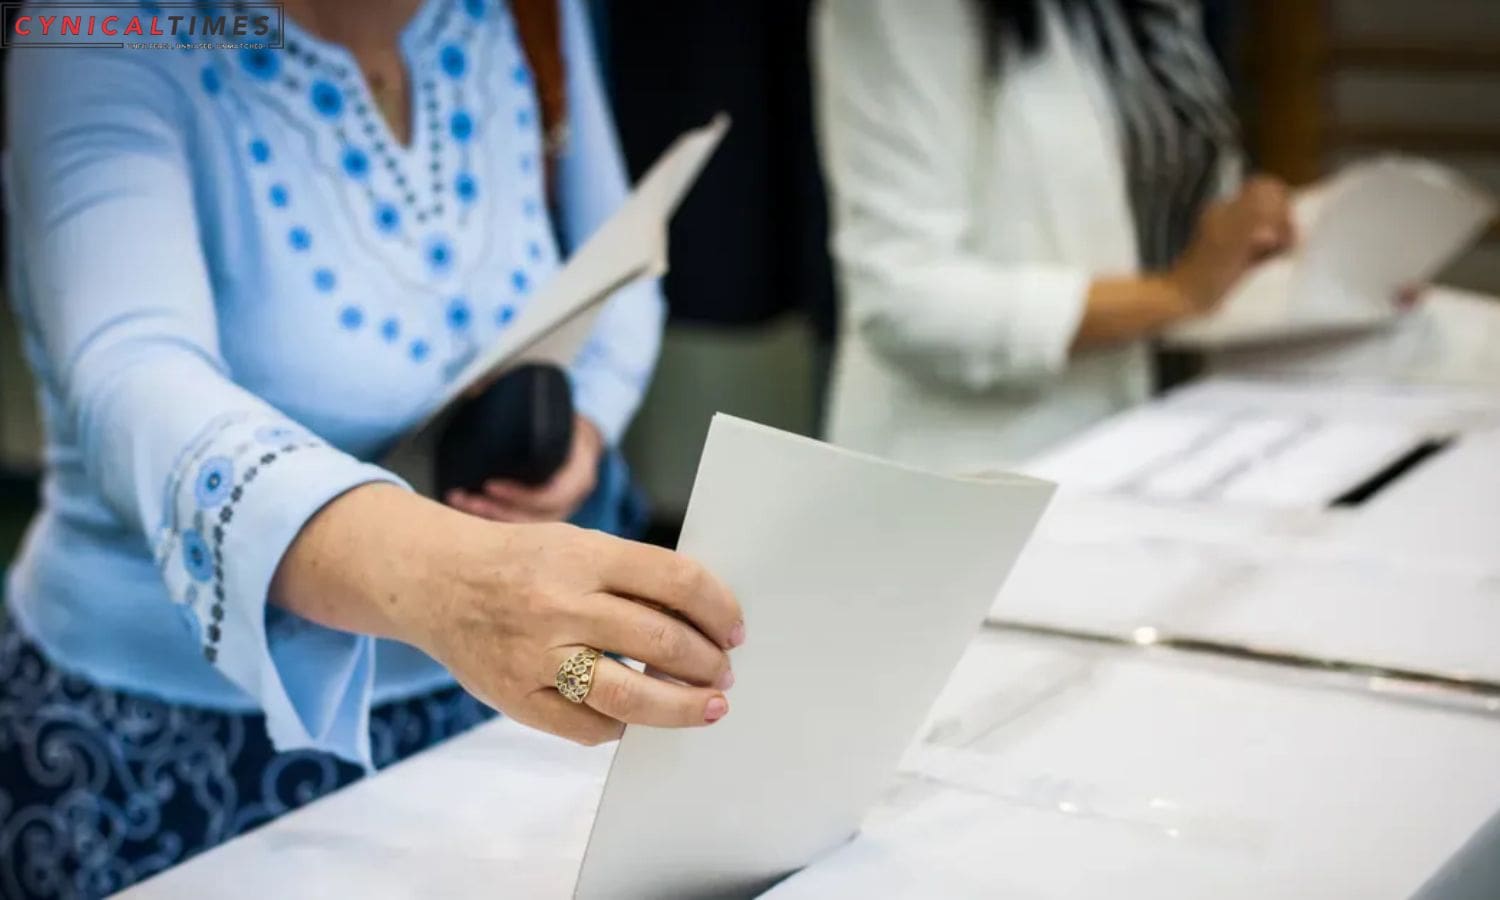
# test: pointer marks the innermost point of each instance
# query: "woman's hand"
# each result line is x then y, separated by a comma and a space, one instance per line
1231, 236
502, 606
555, 501
565, 588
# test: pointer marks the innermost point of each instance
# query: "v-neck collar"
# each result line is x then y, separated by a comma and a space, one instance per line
417, 30
416, 37
438, 48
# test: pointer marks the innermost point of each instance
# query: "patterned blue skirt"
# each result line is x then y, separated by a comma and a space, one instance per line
100, 789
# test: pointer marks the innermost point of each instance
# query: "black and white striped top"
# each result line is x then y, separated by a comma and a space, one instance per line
1172, 99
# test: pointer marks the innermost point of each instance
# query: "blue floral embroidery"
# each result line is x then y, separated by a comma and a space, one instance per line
278, 195
387, 217
523, 118
260, 151
215, 479
439, 254
461, 126
276, 434
475, 8
458, 313
465, 187
210, 78
419, 350
504, 314
327, 98
260, 62
351, 317
519, 281
521, 75
196, 557
299, 238
324, 280
534, 250
390, 329
356, 163
453, 61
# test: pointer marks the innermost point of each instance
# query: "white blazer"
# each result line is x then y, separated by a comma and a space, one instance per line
970, 213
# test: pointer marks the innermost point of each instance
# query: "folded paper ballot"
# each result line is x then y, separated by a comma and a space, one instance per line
861, 581
1363, 235
552, 328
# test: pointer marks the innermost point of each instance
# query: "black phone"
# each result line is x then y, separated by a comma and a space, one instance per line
519, 429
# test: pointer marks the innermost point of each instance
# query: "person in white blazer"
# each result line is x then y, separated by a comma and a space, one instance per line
995, 295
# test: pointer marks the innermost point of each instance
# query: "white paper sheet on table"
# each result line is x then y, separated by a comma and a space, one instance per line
1232, 455
1363, 235
1451, 337
552, 328
1273, 444
861, 583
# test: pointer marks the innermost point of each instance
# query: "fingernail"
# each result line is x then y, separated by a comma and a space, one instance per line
726, 681
737, 634
715, 710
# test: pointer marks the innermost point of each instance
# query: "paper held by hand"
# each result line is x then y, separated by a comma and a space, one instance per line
1364, 234
861, 583
553, 327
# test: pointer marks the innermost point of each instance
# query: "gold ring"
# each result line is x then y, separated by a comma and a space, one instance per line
576, 675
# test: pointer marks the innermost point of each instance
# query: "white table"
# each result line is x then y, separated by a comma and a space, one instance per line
1056, 769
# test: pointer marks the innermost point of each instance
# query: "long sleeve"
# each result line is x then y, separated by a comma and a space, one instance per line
122, 303
905, 102
615, 365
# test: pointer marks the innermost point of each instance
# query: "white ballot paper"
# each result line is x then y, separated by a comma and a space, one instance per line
1362, 235
862, 581
552, 328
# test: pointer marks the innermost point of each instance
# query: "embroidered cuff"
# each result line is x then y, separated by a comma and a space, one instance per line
237, 499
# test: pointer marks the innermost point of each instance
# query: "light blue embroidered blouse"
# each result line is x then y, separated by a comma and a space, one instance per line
236, 288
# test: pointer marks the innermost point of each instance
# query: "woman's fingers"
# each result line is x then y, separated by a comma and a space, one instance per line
543, 499
636, 698
655, 638
1266, 191
486, 508
568, 487
676, 583
574, 721
1270, 205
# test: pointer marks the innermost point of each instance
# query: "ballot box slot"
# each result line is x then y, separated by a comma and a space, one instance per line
1396, 470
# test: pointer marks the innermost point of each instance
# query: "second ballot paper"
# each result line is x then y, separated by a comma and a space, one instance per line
861, 582
1363, 235
629, 246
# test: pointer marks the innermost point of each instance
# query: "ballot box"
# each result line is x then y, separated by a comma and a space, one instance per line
1066, 771
1047, 769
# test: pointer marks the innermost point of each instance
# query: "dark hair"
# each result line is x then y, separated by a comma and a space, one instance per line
1023, 19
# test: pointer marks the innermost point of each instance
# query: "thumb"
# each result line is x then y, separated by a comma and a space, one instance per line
1265, 239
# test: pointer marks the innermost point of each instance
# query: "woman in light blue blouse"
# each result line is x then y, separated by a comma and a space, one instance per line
241, 274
